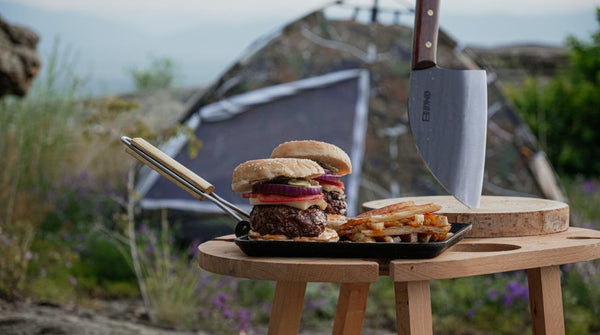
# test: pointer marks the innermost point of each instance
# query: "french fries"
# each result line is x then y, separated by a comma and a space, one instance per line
400, 222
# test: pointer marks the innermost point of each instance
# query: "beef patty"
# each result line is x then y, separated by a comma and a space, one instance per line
288, 221
336, 203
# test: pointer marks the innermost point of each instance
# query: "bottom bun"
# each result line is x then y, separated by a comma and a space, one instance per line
328, 235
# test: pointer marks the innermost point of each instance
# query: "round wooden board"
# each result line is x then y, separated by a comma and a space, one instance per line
497, 216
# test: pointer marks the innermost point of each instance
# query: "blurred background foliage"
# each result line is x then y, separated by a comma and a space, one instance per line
162, 73
64, 234
564, 112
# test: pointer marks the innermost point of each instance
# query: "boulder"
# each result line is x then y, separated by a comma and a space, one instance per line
19, 58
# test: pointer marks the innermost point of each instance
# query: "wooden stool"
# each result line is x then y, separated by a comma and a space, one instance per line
222, 256
539, 255
549, 243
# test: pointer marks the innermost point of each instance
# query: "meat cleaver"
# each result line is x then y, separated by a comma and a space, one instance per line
447, 110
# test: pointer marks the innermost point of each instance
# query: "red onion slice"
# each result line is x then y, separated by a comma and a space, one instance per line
284, 189
330, 177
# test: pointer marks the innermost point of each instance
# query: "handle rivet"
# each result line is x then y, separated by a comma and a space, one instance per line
428, 44
430, 12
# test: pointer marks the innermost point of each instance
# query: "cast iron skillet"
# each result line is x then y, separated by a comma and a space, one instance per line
345, 249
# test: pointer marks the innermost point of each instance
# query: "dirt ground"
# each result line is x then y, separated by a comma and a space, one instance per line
28, 318
112, 318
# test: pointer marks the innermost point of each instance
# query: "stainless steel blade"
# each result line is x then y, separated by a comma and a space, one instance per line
448, 117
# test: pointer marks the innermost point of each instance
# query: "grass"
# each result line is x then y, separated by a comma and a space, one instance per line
34, 146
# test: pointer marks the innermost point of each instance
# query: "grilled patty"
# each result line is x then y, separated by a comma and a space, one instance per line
288, 221
336, 203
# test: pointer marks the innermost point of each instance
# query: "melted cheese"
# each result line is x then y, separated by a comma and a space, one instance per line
331, 188
302, 205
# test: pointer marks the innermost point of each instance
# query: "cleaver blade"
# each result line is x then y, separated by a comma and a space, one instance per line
447, 111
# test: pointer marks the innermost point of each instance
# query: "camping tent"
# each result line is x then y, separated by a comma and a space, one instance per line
346, 82
250, 125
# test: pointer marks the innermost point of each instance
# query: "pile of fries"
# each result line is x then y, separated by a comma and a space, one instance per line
400, 222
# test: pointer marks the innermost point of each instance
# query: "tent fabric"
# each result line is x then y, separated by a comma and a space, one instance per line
315, 44
330, 108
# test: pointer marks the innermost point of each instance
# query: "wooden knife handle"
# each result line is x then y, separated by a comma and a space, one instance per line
425, 35
173, 165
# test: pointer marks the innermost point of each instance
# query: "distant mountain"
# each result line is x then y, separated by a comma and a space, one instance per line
494, 30
106, 49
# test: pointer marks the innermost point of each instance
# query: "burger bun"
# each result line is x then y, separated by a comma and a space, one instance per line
260, 170
328, 235
323, 152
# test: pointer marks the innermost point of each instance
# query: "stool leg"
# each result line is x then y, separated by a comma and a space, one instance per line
545, 301
287, 308
350, 311
413, 308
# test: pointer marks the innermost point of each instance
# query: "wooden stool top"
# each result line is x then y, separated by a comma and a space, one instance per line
222, 256
471, 256
497, 216
477, 256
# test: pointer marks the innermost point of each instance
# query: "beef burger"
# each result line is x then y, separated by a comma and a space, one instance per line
288, 203
332, 159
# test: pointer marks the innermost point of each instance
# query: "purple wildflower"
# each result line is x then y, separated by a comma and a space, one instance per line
51, 195
150, 249
493, 295
471, 314
205, 279
204, 311
315, 303
508, 300
143, 228
516, 290
220, 301
194, 248
590, 187
233, 284
266, 307
243, 317
223, 281
73, 280
227, 313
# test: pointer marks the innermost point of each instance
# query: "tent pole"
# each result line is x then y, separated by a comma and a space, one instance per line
374, 11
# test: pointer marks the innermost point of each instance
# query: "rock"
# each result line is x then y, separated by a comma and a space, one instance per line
514, 63
19, 59
21, 318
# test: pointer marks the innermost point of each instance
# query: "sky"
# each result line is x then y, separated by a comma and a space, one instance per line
182, 14
226, 27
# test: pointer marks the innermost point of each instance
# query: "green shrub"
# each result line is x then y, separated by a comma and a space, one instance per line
49, 273
565, 113
160, 74
15, 241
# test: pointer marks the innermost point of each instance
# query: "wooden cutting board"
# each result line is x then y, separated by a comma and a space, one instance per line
497, 216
